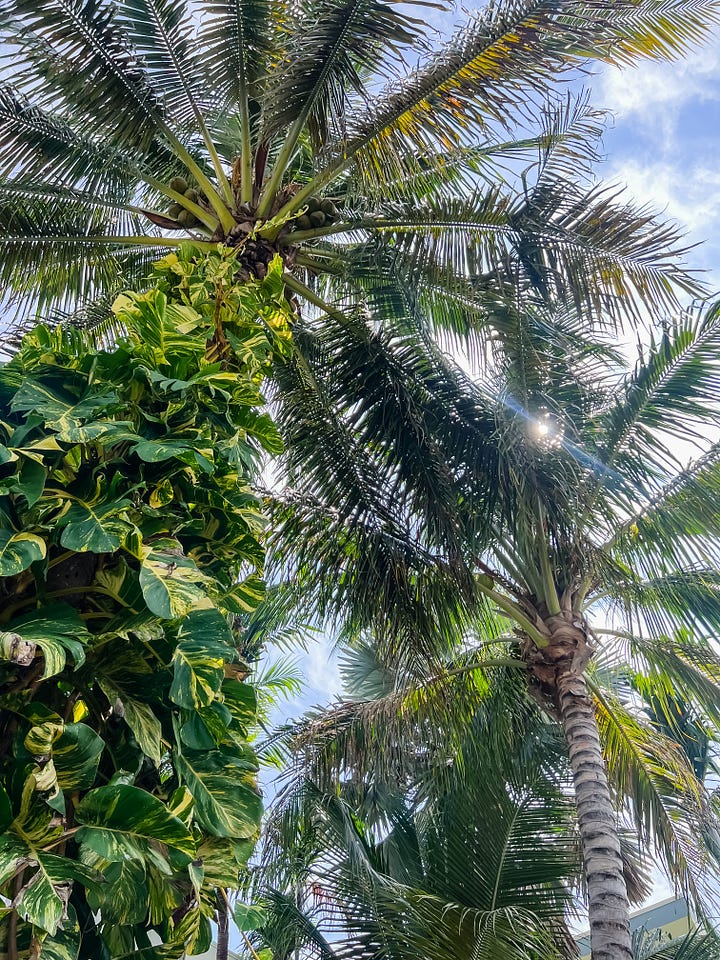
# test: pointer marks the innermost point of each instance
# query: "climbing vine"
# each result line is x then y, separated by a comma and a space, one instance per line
130, 551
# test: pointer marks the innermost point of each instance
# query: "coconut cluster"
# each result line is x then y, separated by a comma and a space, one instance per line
319, 213
254, 253
177, 211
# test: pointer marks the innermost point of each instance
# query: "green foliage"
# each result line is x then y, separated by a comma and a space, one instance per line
455, 849
130, 538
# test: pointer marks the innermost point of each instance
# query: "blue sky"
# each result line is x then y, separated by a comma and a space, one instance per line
664, 143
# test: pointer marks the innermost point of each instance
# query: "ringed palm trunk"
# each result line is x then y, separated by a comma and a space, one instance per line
608, 905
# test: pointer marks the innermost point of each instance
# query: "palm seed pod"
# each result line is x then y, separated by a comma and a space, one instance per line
179, 184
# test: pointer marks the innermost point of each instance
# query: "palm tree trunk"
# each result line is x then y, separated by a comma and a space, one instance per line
607, 891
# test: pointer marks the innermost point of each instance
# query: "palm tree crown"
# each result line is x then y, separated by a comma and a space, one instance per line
265, 125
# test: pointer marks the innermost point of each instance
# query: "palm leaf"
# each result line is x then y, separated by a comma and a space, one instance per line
334, 42
94, 71
669, 394
161, 31
651, 773
489, 70
683, 598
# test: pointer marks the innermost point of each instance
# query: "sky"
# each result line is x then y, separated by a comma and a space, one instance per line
664, 143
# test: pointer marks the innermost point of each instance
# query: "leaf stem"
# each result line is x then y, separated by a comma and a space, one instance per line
216, 202
509, 607
298, 287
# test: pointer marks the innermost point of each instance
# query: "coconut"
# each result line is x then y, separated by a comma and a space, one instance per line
329, 209
175, 210
304, 222
179, 184
313, 204
192, 195
317, 218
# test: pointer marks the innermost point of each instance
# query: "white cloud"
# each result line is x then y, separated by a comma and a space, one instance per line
688, 194
653, 90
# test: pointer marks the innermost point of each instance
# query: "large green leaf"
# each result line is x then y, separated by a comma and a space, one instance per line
56, 628
227, 803
223, 858
171, 582
28, 481
245, 596
98, 527
241, 699
139, 716
122, 899
65, 943
249, 917
122, 821
76, 755
203, 648
18, 551
47, 880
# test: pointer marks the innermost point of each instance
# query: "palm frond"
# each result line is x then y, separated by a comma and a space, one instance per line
679, 668
652, 775
236, 38
86, 62
60, 252
506, 55
161, 31
670, 394
682, 599
334, 43
562, 144
699, 944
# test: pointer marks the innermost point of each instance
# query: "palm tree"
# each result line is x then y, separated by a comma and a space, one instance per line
426, 862
570, 497
382, 845
130, 127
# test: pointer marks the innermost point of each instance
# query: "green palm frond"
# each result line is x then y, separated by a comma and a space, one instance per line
678, 526
289, 929
393, 874
236, 41
699, 944
670, 394
681, 667
336, 41
563, 241
72, 247
50, 151
652, 775
487, 72
161, 31
86, 62
685, 598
